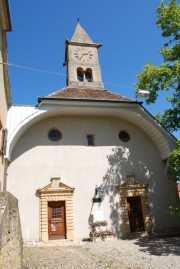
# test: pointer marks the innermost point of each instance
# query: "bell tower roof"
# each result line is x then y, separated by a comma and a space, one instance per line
80, 35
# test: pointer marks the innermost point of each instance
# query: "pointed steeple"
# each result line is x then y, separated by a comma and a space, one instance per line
80, 35
82, 61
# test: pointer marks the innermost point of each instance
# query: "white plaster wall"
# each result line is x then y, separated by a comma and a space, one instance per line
36, 159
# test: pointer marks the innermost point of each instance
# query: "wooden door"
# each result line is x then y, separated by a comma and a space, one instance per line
56, 220
135, 214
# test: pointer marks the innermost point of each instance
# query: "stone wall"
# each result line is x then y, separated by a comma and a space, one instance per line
11, 244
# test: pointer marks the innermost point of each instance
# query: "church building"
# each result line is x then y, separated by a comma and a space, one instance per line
87, 155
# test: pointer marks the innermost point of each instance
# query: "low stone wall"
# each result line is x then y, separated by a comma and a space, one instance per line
11, 244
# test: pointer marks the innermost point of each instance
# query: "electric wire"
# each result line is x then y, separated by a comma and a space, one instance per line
59, 74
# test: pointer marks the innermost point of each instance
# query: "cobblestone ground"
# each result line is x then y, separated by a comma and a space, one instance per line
141, 253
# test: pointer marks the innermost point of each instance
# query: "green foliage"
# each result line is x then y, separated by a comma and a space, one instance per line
174, 169
168, 19
174, 162
167, 75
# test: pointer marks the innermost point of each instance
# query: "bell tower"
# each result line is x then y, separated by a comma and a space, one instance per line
82, 62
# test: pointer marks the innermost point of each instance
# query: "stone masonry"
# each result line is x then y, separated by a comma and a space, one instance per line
10, 233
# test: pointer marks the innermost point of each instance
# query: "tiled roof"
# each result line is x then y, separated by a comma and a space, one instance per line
87, 94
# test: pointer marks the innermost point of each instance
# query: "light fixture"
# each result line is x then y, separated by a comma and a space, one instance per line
142, 93
99, 191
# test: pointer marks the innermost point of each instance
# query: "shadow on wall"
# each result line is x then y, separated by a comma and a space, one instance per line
121, 163
73, 132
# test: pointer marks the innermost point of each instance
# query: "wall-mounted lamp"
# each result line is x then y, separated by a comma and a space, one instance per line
99, 191
99, 194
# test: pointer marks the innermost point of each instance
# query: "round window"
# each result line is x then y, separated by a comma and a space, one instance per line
54, 135
124, 136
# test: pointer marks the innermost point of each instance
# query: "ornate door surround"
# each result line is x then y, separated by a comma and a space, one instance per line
54, 192
133, 188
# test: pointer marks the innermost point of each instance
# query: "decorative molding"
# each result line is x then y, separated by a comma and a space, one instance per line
131, 188
56, 191
133, 183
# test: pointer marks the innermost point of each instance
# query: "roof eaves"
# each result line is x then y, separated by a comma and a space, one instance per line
153, 118
98, 45
40, 99
5, 16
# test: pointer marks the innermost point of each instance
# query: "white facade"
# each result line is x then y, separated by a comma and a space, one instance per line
76, 113
35, 159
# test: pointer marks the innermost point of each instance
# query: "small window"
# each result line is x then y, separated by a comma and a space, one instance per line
80, 75
90, 140
124, 136
54, 135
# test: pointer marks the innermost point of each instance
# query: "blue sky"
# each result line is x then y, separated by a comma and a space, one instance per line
126, 29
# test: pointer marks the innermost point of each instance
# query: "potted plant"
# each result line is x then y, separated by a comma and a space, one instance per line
99, 231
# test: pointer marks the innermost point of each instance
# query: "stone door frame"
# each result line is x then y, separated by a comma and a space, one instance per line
56, 191
132, 188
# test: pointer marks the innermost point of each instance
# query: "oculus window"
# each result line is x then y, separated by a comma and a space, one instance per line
124, 136
54, 135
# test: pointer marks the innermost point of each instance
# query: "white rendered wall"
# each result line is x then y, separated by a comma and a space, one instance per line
36, 159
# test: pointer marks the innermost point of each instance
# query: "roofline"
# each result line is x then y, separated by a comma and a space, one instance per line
8, 14
40, 99
7, 18
130, 111
165, 129
68, 42
24, 105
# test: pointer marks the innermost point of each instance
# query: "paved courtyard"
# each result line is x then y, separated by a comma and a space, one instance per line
141, 253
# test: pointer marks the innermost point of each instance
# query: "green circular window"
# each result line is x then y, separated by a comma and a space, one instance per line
54, 135
124, 136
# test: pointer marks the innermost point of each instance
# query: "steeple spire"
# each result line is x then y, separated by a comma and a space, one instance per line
80, 35
81, 59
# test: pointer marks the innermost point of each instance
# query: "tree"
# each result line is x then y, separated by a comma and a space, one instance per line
174, 167
166, 76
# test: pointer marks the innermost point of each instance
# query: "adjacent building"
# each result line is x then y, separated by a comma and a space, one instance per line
5, 96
